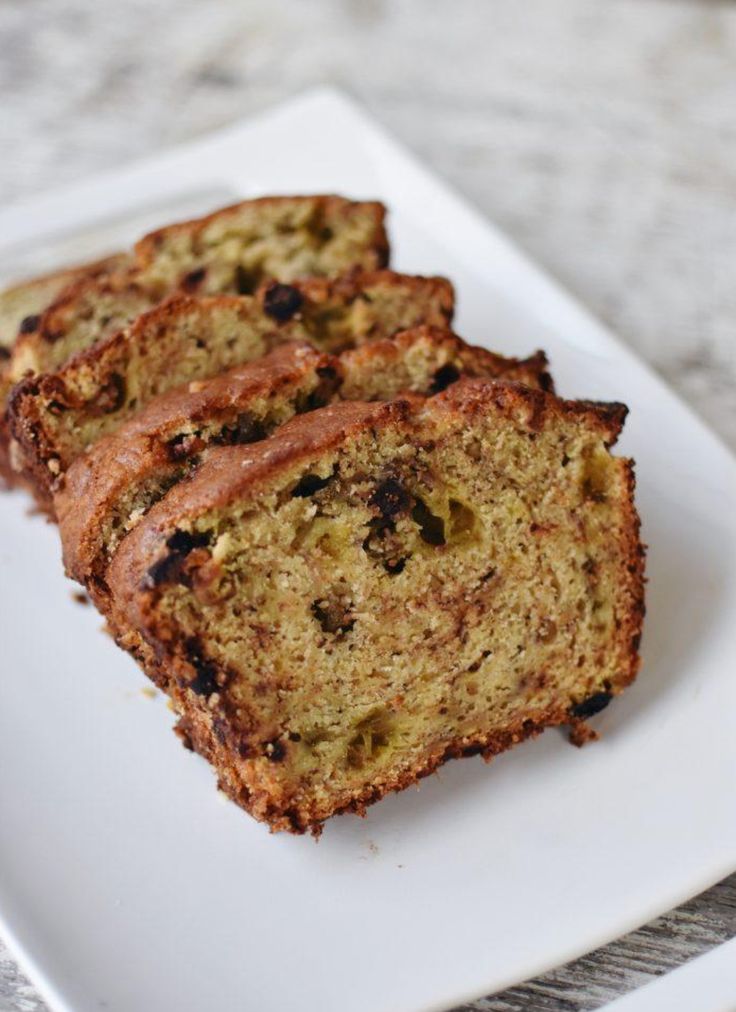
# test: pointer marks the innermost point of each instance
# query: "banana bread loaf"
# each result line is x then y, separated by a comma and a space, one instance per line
21, 306
338, 609
107, 490
55, 417
23, 302
230, 251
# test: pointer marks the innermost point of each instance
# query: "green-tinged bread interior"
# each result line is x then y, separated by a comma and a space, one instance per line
56, 416
235, 249
107, 490
338, 610
229, 252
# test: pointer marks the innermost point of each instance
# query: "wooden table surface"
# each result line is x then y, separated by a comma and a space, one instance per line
600, 135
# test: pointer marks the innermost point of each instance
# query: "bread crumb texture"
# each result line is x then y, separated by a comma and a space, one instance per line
377, 588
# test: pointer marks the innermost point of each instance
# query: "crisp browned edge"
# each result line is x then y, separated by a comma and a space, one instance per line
25, 413
146, 247
51, 322
534, 367
53, 319
82, 491
64, 276
208, 734
85, 488
67, 277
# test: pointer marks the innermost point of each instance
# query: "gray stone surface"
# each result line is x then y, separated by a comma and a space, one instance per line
601, 136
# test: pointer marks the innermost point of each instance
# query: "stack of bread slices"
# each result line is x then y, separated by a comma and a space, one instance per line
347, 544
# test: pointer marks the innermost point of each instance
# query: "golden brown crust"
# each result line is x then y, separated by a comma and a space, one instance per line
199, 730
244, 474
354, 284
118, 468
24, 300
142, 450
532, 406
321, 206
94, 389
92, 386
229, 472
308, 235
459, 359
236, 472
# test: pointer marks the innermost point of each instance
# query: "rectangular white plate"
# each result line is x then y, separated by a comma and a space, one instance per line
127, 884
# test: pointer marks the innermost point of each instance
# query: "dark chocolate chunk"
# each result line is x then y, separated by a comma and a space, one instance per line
281, 302
390, 498
168, 568
164, 570
205, 681
590, 706
184, 542
191, 281
246, 282
431, 527
246, 429
323, 392
275, 750
333, 615
445, 376
29, 324
327, 373
111, 397
308, 485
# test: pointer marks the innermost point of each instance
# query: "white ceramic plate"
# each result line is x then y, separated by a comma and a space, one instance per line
126, 883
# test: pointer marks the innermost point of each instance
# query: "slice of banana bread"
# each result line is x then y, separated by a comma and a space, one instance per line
338, 609
107, 490
230, 251
286, 238
21, 306
55, 417
22, 303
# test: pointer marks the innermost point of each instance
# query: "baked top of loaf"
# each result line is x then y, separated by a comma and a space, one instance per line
230, 251
22, 302
21, 307
340, 608
107, 490
55, 417
286, 238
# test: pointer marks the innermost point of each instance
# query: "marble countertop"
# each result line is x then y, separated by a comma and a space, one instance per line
601, 137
